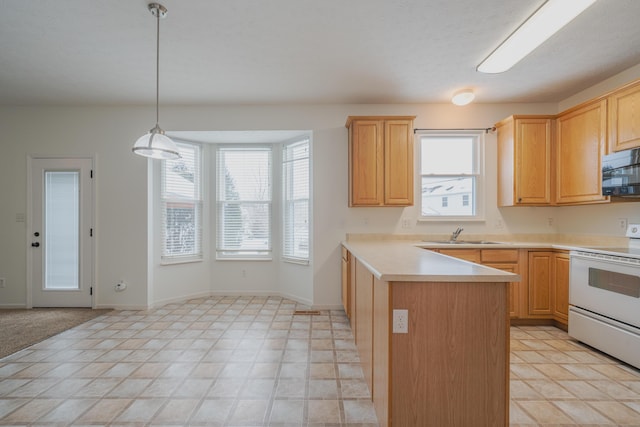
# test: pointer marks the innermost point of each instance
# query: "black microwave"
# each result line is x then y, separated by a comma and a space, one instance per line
621, 173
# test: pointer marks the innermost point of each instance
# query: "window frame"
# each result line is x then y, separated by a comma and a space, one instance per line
198, 203
480, 178
224, 254
286, 201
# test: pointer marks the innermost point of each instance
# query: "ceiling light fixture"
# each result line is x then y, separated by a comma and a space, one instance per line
156, 144
463, 97
545, 22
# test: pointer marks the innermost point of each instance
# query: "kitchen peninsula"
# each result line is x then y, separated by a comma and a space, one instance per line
451, 366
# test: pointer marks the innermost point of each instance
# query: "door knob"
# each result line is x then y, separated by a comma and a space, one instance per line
35, 244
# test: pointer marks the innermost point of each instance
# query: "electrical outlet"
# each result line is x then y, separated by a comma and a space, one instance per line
2, 282
406, 223
622, 223
400, 321
498, 223
550, 222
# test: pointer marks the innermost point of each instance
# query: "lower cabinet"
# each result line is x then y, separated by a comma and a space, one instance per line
506, 260
449, 369
543, 292
364, 319
540, 277
561, 287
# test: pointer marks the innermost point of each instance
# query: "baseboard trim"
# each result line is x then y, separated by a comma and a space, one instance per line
181, 299
12, 306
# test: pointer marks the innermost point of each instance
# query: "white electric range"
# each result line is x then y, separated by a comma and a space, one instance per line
604, 298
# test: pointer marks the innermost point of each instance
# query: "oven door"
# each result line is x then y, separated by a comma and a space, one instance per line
606, 285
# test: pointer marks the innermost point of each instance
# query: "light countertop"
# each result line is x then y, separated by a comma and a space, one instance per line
402, 261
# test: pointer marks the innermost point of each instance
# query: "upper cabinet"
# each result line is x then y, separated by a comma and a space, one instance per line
380, 160
525, 161
624, 118
580, 145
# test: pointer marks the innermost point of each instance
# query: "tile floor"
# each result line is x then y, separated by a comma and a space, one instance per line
248, 361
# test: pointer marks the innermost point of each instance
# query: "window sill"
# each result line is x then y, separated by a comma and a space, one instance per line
180, 261
296, 261
242, 259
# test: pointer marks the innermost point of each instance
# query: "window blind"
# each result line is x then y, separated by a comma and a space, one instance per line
244, 196
295, 195
181, 204
451, 174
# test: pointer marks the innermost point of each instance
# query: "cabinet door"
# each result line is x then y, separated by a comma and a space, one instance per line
398, 162
367, 163
533, 161
364, 321
561, 287
580, 145
540, 279
624, 118
525, 160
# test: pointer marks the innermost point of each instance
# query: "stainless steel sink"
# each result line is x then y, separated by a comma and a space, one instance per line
461, 242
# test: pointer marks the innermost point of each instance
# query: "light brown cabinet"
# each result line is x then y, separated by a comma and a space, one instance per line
423, 377
580, 145
561, 287
506, 260
502, 259
525, 171
540, 277
380, 160
543, 292
364, 320
624, 117
548, 284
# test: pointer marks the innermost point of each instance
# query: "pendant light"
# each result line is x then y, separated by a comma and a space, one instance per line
156, 144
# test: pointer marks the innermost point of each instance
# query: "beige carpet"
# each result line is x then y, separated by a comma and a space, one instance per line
21, 328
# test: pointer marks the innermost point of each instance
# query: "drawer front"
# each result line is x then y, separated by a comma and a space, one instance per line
472, 255
499, 255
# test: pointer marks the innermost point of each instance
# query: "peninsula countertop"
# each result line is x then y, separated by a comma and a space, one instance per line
402, 261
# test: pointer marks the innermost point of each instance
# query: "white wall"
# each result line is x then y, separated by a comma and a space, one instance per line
107, 133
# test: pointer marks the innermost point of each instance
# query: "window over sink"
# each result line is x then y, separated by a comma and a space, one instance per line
451, 174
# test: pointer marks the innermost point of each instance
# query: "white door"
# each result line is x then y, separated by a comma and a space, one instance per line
61, 261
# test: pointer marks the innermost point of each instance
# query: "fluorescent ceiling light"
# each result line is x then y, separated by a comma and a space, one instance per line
545, 22
463, 97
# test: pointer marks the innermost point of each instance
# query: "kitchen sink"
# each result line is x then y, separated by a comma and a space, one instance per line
461, 242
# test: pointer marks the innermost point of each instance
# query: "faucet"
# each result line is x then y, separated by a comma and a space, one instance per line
455, 234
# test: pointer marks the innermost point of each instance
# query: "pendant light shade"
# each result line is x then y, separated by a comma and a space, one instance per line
156, 144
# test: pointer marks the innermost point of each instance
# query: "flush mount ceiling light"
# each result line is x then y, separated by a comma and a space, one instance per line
463, 97
545, 22
156, 144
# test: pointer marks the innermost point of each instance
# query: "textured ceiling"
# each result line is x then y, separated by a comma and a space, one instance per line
299, 51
